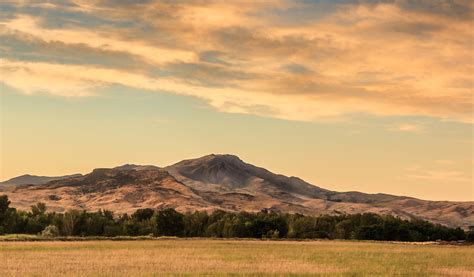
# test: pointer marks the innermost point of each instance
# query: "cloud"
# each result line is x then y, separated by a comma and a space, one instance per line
438, 175
101, 40
439, 171
408, 128
289, 60
454, 9
445, 162
296, 68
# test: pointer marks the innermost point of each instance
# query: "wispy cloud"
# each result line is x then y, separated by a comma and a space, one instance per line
441, 173
445, 162
290, 60
408, 128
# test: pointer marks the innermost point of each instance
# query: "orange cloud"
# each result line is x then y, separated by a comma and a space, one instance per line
398, 58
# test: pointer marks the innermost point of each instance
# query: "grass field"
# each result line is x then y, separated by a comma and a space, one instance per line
232, 257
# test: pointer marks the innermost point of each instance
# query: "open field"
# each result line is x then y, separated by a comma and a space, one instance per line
232, 257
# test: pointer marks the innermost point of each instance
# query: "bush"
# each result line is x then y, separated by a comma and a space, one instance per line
50, 231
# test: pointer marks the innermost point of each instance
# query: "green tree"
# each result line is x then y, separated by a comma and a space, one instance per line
301, 226
343, 229
37, 219
195, 224
143, 214
169, 223
39, 209
4, 213
470, 234
70, 222
8, 216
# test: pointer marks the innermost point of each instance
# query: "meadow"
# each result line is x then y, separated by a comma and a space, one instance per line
184, 257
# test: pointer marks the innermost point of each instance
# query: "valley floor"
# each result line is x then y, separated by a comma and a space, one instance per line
232, 257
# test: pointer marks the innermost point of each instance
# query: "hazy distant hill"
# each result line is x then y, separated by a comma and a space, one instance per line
223, 182
35, 180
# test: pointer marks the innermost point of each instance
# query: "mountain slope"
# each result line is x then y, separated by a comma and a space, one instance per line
122, 191
223, 182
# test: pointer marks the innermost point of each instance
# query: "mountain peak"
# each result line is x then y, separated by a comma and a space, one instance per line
212, 160
226, 159
230, 172
221, 157
135, 167
28, 175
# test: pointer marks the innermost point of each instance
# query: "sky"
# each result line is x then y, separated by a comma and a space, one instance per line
371, 96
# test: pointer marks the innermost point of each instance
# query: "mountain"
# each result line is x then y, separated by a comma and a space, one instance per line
35, 180
223, 182
229, 173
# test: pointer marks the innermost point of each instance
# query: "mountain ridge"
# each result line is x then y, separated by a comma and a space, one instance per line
225, 182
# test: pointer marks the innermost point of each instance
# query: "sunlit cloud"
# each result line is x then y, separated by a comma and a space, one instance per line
96, 39
288, 60
445, 162
442, 170
438, 175
408, 128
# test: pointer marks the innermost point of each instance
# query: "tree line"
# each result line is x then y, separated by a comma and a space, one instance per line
221, 224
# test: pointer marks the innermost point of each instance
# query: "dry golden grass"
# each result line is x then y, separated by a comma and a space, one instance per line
232, 257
